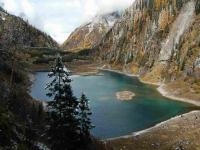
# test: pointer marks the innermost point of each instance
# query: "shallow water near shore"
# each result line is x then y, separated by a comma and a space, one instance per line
111, 116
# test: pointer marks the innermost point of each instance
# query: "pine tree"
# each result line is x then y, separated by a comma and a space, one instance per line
140, 24
197, 7
63, 124
85, 120
179, 4
30, 133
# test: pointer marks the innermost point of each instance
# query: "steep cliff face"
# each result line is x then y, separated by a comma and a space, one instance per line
12, 27
88, 35
159, 40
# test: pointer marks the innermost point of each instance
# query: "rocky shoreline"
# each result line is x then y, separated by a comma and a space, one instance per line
91, 69
160, 134
161, 124
179, 132
167, 94
160, 88
151, 138
164, 92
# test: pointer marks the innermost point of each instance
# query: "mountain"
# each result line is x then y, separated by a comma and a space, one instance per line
25, 34
19, 113
87, 35
159, 41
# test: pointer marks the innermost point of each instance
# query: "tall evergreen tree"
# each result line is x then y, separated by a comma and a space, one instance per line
63, 124
179, 4
30, 133
197, 7
85, 120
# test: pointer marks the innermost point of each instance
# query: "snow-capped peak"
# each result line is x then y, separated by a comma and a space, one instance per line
2, 14
107, 19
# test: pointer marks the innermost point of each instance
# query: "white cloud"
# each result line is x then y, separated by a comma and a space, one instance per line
60, 18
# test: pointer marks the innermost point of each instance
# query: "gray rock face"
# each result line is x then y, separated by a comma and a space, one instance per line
160, 43
197, 63
180, 25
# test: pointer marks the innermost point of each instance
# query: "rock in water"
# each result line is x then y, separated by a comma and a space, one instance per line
125, 95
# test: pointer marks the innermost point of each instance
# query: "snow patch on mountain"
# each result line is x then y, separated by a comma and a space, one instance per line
106, 21
3, 15
90, 33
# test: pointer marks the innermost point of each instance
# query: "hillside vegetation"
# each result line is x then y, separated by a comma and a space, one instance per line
158, 40
12, 27
20, 115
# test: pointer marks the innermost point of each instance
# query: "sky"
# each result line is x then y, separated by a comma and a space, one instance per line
59, 18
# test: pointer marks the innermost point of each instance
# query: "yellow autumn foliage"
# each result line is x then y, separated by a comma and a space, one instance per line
134, 69
160, 4
163, 19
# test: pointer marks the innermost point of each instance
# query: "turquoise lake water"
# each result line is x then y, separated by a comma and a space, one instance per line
113, 117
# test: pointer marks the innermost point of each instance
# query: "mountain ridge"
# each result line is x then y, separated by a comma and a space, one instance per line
26, 34
17, 107
89, 34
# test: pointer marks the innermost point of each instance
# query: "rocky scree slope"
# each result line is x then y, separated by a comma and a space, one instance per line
158, 40
88, 35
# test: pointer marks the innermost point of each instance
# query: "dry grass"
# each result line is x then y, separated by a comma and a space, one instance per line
183, 89
176, 134
155, 76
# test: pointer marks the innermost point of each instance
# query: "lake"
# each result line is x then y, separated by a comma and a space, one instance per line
111, 116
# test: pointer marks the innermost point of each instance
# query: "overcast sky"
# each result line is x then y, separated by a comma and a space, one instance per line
60, 17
